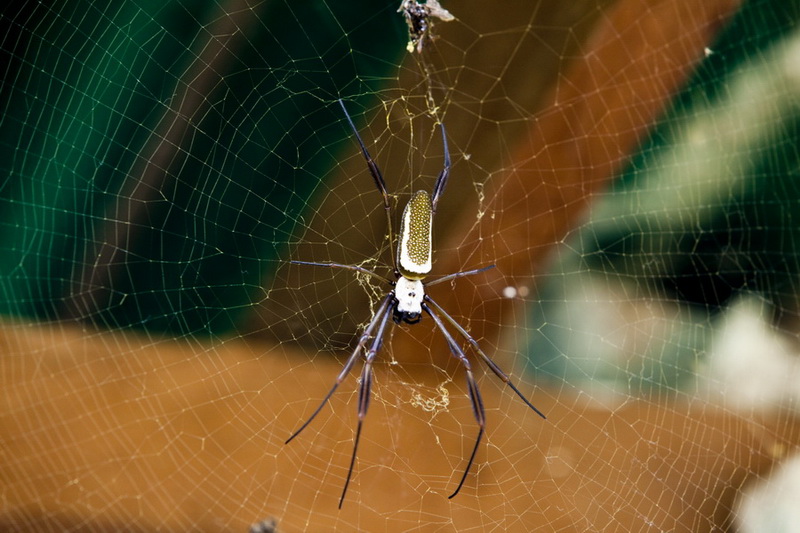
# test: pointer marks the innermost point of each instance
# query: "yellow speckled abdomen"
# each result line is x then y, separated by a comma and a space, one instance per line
414, 246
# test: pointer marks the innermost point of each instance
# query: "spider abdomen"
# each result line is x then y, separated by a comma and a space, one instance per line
414, 246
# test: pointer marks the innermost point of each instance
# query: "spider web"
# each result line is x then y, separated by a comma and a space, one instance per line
629, 167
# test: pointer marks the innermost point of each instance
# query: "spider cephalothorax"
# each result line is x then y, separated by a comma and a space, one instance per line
407, 300
408, 295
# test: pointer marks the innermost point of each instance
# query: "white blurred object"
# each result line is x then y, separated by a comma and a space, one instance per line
751, 365
771, 505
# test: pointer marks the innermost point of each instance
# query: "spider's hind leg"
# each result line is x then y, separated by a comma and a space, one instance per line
441, 181
379, 181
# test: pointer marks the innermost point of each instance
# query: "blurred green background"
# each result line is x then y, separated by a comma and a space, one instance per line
158, 155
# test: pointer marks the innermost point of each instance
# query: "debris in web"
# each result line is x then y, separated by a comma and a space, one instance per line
432, 404
268, 525
418, 16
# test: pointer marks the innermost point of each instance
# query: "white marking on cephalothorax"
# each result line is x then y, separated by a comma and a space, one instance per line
409, 294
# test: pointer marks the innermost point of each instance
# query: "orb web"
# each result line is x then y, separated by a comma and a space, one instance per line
629, 169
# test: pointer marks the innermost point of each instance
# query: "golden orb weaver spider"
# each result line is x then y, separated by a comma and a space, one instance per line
406, 302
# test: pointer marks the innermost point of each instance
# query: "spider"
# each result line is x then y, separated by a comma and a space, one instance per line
406, 302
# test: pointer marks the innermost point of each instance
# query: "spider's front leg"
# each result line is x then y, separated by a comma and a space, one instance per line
486, 359
474, 393
365, 390
382, 312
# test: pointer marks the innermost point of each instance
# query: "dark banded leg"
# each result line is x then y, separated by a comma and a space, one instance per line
382, 310
347, 267
458, 275
491, 364
379, 182
472, 387
365, 389
441, 181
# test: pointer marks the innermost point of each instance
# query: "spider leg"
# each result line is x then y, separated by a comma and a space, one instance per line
382, 311
458, 275
365, 389
339, 265
441, 181
491, 364
379, 181
472, 387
